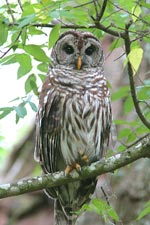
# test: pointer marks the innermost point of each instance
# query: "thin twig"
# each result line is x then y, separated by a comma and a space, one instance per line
107, 200
11, 13
132, 14
79, 6
145, 34
109, 53
19, 2
131, 79
140, 35
108, 30
5, 53
96, 10
102, 10
119, 56
136, 142
105, 195
100, 14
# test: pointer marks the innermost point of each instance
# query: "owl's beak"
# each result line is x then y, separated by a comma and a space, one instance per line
79, 62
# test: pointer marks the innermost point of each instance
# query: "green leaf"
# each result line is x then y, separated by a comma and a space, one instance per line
127, 4
5, 111
146, 5
143, 92
142, 130
102, 208
112, 213
25, 64
34, 88
17, 118
33, 106
99, 206
8, 59
145, 211
54, 34
135, 58
42, 77
20, 110
124, 133
121, 148
43, 67
85, 207
15, 99
30, 85
131, 137
124, 122
136, 11
37, 52
122, 92
128, 105
34, 31
24, 61
3, 33
24, 36
26, 20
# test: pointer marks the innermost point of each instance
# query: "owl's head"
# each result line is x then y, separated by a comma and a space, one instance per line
78, 50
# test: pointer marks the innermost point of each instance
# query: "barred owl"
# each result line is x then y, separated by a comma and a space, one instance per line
74, 118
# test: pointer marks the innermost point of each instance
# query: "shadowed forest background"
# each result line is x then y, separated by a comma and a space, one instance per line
27, 33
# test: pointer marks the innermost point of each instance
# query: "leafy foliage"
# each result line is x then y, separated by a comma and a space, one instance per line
145, 211
20, 109
101, 208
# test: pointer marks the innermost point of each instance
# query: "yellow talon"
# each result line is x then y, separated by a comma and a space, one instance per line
85, 158
69, 168
77, 167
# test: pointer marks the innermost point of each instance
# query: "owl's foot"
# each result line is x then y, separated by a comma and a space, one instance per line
69, 168
84, 157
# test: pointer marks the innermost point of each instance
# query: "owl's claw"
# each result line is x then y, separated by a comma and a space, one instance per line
84, 157
77, 167
69, 168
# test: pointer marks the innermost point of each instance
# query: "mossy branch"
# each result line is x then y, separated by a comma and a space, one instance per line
140, 149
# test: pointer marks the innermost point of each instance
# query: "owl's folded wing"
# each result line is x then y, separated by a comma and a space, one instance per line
48, 130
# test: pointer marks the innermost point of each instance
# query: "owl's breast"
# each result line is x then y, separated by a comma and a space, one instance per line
71, 81
82, 118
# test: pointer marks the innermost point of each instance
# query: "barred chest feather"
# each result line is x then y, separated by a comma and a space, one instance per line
84, 109
84, 122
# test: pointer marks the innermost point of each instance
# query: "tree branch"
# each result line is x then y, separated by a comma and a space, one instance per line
100, 14
131, 79
96, 24
140, 149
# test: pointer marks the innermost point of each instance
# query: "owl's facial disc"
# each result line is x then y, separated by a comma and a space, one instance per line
78, 50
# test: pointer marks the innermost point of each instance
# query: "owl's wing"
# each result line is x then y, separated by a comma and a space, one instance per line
48, 128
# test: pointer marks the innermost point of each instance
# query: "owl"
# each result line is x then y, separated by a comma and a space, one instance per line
74, 119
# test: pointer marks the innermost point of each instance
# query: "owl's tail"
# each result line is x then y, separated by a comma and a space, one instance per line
60, 217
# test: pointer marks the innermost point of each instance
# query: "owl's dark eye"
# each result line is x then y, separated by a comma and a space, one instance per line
89, 51
68, 49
